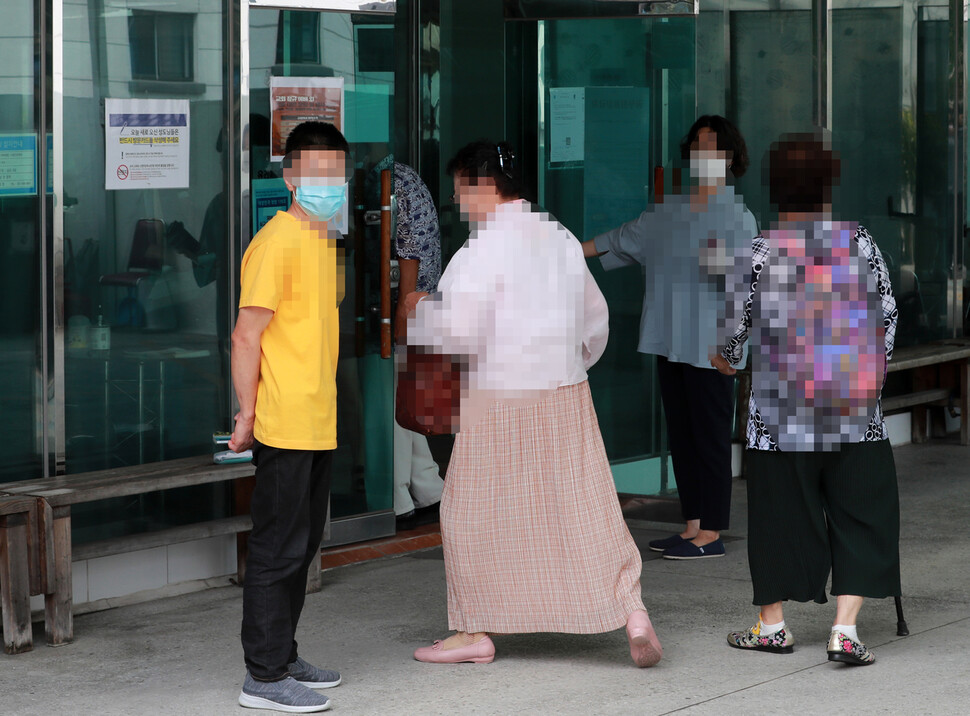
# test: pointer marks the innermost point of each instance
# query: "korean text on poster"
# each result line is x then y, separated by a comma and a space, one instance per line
146, 143
269, 196
294, 100
18, 164
567, 124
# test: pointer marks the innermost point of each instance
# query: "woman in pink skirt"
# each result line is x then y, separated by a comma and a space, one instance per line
533, 536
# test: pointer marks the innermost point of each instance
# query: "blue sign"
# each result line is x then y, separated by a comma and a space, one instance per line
18, 165
269, 196
50, 163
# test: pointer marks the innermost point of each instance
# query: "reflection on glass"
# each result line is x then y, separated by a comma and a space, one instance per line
22, 388
146, 366
615, 99
889, 103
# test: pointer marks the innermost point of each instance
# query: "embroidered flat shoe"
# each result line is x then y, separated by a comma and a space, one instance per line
481, 652
689, 550
659, 545
781, 642
645, 649
849, 651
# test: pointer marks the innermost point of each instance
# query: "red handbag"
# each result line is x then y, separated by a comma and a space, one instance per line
429, 389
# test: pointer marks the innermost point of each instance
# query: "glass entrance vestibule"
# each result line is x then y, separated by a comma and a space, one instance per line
119, 271
624, 81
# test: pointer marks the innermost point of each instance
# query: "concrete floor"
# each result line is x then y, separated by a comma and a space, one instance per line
182, 656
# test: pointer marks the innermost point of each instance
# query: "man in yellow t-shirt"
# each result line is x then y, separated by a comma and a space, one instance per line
284, 360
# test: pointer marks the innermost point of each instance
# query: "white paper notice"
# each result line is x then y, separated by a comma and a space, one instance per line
567, 124
146, 143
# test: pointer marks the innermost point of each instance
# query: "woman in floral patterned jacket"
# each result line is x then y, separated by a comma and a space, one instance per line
821, 479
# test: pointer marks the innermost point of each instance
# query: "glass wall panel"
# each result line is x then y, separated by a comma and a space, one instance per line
890, 105
355, 51
889, 123
147, 244
616, 98
22, 378
771, 83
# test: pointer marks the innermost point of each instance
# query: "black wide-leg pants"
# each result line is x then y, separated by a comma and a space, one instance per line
812, 512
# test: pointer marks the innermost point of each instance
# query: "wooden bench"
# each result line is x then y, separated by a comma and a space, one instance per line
940, 376
35, 536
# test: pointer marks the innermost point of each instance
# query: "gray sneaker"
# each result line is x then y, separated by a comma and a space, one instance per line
312, 677
286, 695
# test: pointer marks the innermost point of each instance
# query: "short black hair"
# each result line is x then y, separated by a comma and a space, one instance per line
313, 134
729, 139
802, 169
487, 159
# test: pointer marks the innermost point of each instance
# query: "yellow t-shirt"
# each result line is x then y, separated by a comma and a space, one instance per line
293, 271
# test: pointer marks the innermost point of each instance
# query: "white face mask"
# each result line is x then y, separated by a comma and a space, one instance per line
708, 169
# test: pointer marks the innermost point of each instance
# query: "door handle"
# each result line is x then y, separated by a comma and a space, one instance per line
360, 320
385, 267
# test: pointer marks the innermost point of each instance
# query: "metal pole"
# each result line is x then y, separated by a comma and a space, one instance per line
140, 427
57, 169
161, 408
958, 161
413, 20
821, 65
240, 221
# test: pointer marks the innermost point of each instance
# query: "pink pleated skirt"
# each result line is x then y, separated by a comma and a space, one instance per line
533, 536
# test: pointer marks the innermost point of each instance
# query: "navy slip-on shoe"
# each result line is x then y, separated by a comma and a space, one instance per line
659, 545
689, 550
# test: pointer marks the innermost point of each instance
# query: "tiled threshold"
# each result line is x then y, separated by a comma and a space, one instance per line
403, 542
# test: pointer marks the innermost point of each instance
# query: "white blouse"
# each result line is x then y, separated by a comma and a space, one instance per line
520, 302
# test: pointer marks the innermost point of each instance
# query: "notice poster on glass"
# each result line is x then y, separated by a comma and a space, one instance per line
294, 100
567, 124
18, 164
146, 143
269, 196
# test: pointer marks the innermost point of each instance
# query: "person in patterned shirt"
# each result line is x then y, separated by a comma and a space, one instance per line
417, 247
821, 479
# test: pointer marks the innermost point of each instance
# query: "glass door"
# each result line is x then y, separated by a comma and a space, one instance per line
613, 99
336, 66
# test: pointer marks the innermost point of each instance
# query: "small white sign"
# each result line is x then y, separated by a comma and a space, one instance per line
567, 124
146, 143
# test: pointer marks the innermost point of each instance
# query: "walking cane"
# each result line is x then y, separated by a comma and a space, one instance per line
901, 628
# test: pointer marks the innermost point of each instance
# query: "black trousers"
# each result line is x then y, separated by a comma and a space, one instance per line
811, 512
289, 510
699, 407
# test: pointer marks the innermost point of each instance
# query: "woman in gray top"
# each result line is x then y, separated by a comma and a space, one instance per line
683, 306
